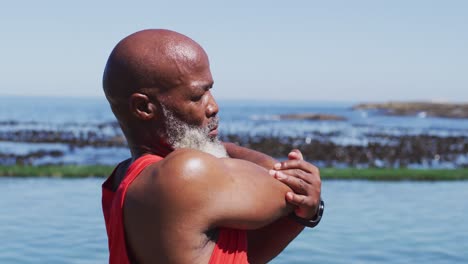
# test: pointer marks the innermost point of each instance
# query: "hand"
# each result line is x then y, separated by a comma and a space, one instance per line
304, 179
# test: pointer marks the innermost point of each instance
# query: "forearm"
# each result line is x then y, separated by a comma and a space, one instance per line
267, 242
238, 152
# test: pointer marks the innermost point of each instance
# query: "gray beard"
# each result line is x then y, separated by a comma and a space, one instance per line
182, 135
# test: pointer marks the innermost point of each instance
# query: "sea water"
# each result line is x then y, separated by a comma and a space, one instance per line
47, 220
77, 117
236, 116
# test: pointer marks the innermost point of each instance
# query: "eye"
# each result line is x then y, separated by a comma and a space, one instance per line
197, 98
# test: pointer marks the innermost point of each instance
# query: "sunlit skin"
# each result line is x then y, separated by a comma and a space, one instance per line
173, 209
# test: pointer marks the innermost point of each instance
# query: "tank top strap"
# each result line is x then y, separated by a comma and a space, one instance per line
134, 170
113, 210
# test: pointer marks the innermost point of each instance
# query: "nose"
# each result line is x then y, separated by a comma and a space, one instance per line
211, 107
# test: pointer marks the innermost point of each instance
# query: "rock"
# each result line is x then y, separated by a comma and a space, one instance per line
311, 116
422, 109
394, 152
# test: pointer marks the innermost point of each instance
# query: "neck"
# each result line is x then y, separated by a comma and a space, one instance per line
148, 142
140, 150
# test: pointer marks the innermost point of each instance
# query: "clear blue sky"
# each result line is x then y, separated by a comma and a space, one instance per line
292, 50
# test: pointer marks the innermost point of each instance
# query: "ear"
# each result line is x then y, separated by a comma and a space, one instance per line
142, 107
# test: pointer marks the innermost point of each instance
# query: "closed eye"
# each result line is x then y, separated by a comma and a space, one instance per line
197, 98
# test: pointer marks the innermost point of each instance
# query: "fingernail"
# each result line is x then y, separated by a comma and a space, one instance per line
289, 195
277, 166
280, 176
272, 172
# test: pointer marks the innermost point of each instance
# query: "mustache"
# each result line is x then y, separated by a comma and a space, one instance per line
213, 123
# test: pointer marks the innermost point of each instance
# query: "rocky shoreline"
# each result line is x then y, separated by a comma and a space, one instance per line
423, 109
381, 150
396, 152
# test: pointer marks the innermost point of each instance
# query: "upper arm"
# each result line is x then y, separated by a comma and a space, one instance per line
224, 192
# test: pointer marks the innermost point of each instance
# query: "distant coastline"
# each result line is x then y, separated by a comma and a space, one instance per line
423, 109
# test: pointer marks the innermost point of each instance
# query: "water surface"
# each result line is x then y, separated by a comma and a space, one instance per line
46, 220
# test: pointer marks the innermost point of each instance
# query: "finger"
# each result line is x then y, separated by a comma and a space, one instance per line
305, 207
296, 164
295, 154
300, 174
296, 199
296, 184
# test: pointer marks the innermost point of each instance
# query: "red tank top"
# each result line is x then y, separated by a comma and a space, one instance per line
230, 248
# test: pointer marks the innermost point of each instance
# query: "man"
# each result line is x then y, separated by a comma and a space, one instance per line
180, 199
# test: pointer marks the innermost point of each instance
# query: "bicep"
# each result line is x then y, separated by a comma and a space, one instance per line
247, 197
221, 192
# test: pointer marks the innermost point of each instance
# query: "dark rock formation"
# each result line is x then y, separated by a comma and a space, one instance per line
378, 150
395, 152
311, 116
27, 159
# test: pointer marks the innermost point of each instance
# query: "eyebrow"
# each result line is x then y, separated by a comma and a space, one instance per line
205, 86
201, 86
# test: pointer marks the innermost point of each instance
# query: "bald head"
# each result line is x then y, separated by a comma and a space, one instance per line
152, 75
149, 59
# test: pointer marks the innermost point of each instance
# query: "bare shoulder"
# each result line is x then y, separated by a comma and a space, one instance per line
188, 166
183, 163
172, 190
181, 180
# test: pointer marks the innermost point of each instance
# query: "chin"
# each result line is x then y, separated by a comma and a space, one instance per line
213, 138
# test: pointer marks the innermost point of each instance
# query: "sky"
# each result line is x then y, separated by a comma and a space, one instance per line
262, 50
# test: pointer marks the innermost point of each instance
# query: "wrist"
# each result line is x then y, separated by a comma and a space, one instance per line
310, 222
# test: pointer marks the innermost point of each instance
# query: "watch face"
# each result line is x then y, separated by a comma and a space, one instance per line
321, 207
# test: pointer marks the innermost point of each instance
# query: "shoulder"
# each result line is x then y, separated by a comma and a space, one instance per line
189, 165
183, 173
196, 169
170, 201
186, 156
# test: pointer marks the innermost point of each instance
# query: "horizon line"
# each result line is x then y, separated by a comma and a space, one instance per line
84, 96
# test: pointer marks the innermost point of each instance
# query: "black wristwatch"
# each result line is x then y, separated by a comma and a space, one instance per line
313, 222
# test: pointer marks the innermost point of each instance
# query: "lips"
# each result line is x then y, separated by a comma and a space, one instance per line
213, 127
214, 132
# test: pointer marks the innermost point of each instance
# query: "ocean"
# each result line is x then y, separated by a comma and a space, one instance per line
40, 130
48, 220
